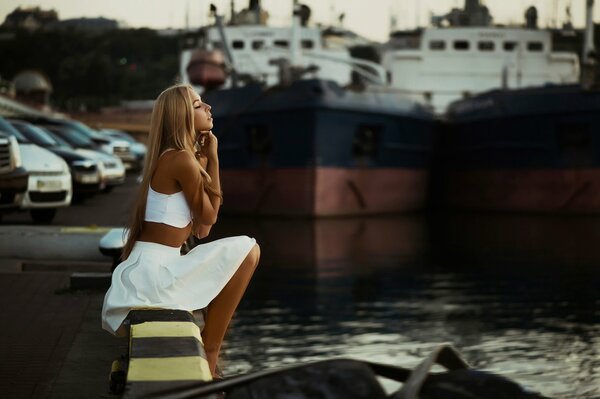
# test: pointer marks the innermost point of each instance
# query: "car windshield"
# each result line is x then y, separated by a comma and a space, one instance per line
36, 134
81, 127
119, 135
62, 142
11, 131
70, 135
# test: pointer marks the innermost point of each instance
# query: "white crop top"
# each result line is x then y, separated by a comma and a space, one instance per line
171, 209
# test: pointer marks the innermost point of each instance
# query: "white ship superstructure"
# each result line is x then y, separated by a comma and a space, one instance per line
438, 65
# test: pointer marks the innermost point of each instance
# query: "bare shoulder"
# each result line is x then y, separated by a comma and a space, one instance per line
183, 159
184, 163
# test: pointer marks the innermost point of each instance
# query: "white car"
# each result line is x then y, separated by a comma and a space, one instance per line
122, 150
13, 177
49, 185
137, 149
112, 170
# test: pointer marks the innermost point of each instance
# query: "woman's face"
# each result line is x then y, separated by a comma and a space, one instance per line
202, 116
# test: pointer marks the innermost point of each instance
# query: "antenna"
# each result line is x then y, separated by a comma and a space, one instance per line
588, 47
588, 62
187, 15
417, 14
332, 12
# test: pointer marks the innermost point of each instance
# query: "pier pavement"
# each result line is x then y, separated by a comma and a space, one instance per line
51, 344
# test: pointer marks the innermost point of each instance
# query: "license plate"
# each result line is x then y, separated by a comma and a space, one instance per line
89, 179
49, 185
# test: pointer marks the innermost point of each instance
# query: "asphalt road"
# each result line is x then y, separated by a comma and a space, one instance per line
104, 209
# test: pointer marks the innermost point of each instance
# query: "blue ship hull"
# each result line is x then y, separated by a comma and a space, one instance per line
523, 150
315, 149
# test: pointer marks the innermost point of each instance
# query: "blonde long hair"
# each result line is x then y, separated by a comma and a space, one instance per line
171, 126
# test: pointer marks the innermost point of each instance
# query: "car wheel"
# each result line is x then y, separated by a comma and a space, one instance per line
43, 216
108, 189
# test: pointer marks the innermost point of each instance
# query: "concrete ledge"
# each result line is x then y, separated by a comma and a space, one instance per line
166, 353
55, 243
11, 265
65, 266
90, 281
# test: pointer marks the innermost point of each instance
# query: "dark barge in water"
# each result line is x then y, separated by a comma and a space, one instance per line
535, 149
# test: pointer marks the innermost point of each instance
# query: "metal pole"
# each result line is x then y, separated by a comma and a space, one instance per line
295, 35
226, 49
588, 43
588, 58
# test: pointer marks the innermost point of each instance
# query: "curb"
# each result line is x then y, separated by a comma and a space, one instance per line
52, 243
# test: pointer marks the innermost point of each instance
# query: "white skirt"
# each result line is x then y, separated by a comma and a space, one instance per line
158, 276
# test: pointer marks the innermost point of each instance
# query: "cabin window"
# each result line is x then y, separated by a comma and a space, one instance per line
260, 141
366, 138
510, 46
461, 45
535, 46
486, 46
308, 44
258, 44
237, 44
405, 42
217, 44
281, 43
437, 45
575, 143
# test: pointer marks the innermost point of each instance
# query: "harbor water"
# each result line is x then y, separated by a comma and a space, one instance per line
517, 295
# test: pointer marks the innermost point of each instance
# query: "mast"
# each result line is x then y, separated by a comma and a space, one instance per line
588, 43
255, 7
225, 43
295, 55
588, 56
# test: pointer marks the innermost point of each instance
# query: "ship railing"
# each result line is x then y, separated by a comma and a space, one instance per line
371, 72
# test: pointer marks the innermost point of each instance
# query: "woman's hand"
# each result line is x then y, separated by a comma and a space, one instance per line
208, 145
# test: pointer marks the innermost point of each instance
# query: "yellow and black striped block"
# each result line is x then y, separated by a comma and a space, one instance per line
165, 352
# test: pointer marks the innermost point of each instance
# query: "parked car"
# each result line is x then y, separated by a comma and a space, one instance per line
112, 170
137, 149
85, 170
94, 139
49, 182
13, 176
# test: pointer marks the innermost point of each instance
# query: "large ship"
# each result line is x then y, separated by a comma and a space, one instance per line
533, 149
464, 54
303, 127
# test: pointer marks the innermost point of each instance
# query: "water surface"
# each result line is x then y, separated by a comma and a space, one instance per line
516, 295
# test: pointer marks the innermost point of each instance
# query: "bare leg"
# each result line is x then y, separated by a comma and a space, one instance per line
221, 309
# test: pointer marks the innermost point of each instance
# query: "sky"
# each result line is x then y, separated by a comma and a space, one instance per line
369, 18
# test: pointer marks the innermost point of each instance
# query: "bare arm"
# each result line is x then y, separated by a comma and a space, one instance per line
199, 230
186, 170
212, 167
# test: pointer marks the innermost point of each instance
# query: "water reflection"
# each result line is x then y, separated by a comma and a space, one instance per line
517, 295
